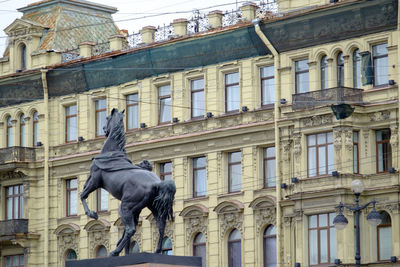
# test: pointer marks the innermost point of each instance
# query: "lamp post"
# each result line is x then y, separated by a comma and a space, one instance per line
374, 218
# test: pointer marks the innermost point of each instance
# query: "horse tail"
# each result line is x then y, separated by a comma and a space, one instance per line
164, 200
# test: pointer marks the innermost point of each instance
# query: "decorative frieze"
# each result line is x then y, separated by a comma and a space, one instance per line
317, 120
379, 116
264, 212
230, 215
67, 238
98, 234
196, 220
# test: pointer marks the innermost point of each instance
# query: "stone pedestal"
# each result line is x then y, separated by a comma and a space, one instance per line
139, 260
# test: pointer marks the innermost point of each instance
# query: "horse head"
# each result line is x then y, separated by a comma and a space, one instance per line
114, 121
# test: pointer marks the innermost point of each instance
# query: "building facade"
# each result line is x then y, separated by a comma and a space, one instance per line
238, 113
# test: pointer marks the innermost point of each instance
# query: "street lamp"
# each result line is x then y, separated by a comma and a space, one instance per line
374, 218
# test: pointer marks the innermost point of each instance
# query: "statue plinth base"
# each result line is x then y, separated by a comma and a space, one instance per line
138, 260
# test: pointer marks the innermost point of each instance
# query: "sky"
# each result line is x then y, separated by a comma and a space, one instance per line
131, 13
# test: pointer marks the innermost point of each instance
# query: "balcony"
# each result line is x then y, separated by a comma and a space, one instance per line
17, 154
327, 97
9, 229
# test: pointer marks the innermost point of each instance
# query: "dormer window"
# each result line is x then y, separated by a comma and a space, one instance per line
22, 50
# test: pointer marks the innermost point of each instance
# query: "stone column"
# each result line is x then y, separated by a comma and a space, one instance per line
248, 11
148, 34
215, 18
180, 26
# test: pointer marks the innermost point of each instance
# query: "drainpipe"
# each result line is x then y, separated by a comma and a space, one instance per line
277, 65
46, 167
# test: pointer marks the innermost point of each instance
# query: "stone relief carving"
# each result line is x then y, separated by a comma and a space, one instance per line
379, 116
264, 216
348, 137
229, 221
394, 138
337, 139
98, 234
286, 149
366, 141
297, 144
12, 175
67, 238
317, 120
195, 225
169, 231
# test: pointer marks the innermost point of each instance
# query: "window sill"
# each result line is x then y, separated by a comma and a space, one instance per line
317, 177
265, 189
195, 199
230, 194
265, 107
103, 212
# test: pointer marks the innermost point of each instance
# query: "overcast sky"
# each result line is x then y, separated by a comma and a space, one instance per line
129, 12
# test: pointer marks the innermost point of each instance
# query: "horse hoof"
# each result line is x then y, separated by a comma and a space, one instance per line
114, 254
93, 215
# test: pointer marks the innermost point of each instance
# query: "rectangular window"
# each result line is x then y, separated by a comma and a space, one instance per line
380, 64
199, 177
356, 155
101, 114
72, 197
164, 104
320, 154
14, 261
166, 171
321, 239
235, 171
302, 76
15, 202
232, 92
102, 200
269, 167
197, 93
267, 85
383, 151
132, 111
71, 124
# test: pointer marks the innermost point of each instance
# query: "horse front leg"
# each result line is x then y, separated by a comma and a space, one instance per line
88, 188
161, 229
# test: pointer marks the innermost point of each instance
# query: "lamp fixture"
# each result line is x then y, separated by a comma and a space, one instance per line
283, 101
295, 180
392, 170
175, 119
245, 108
209, 114
335, 173
39, 143
80, 138
283, 185
142, 125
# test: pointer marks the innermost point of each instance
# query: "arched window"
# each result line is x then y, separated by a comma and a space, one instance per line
35, 128
101, 252
384, 232
199, 248
70, 255
134, 248
234, 249
166, 246
324, 72
356, 69
23, 56
22, 132
269, 241
9, 132
340, 69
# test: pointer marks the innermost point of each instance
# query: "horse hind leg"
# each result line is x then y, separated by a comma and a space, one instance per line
161, 222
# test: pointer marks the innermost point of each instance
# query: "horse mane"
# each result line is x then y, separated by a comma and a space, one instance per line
118, 135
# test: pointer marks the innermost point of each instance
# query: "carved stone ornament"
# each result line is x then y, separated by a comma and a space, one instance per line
348, 135
394, 138
12, 175
67, 238
366, 141
297, 144
317, 120
264, 212
99, 234
230, 215
379, 116
337, 139
286, 149
196, 220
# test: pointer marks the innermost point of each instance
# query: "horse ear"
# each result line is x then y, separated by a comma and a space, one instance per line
123, 111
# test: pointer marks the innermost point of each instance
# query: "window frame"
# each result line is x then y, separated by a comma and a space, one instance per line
160, 99
128, 107
378, 227
20, 198
357, 81
9, 132
99, 206
67, 118
374, 65
199, 244
317, 146
230, 242
318, 228
195, 194
194, 91
12, 258
230, 164
357, 149
264, 78
297, 73
265, 161
228, 85
165, 250
324, 72
340, 69
69, 191
22, 51
22, 130
265, 236
35, 128
387, 158
163, 173
96, 112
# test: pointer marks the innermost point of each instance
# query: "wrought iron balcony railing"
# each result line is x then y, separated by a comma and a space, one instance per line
12, 227
17, 154
326, 97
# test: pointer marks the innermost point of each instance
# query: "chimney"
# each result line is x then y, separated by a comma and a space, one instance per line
215, 18
248, 11
116, 42
180, 26
148, 34
85, 49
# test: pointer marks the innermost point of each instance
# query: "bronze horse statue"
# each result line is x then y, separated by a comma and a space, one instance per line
136, 187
